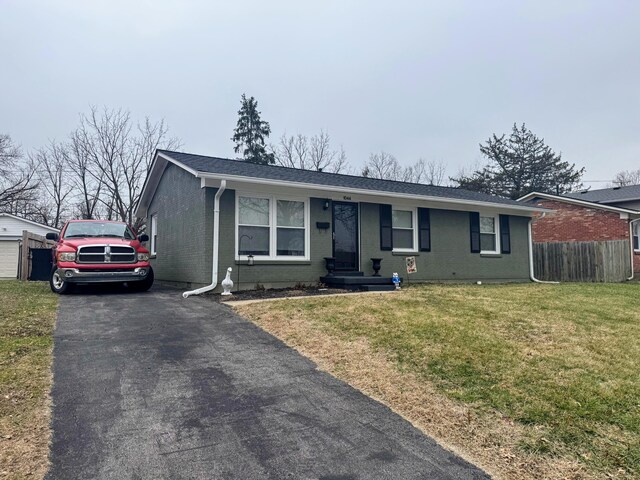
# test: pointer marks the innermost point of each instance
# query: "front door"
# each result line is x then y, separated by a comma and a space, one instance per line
345, 235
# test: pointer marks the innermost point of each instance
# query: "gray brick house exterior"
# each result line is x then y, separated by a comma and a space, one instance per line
178, 204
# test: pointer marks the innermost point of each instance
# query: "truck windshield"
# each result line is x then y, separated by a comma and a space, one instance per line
98, 229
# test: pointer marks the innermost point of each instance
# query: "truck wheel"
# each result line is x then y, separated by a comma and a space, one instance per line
143, 285
58, 284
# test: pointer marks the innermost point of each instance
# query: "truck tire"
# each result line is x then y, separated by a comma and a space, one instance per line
143, 285
58, 284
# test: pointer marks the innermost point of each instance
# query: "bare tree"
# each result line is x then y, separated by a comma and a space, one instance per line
88, 182
385, 166
429, 172
118, 157
51, 164
17, 181
626, 178
306, 153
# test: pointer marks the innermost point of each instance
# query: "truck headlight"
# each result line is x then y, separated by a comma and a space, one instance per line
143, 257
67, 257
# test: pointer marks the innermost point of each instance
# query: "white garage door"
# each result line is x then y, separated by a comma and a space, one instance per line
8, 259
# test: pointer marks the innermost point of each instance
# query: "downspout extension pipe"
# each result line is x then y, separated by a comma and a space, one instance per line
531, 273
216, 235
631, 246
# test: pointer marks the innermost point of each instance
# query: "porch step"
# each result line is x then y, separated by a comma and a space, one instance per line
342, 281
349, 274
377, 288
359, 282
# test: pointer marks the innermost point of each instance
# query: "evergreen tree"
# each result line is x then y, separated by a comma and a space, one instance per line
519, 164
250, 133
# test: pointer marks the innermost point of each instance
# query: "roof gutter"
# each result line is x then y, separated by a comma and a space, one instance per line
631, 247
531, 272
216, 235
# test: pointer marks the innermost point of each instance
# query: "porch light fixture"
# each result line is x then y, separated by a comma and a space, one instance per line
250, 260
326, 205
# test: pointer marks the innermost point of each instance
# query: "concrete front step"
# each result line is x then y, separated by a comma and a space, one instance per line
377, 288
341, 281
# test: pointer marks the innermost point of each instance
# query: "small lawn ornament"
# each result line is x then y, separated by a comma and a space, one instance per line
396, 280
227, 283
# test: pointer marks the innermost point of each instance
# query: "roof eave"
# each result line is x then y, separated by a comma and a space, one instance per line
575, 201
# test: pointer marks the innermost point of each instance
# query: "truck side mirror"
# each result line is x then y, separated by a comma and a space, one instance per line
52, 236
143, 238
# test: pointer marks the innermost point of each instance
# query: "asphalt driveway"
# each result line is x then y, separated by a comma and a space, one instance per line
155, 386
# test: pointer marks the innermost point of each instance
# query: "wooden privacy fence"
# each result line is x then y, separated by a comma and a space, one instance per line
30, 241
582, 261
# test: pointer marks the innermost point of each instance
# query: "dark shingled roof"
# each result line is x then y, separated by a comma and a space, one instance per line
608, 195
227, 166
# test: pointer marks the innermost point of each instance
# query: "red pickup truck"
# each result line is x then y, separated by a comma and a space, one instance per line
99, 251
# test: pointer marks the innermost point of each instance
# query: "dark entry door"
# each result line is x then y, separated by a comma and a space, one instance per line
345, 235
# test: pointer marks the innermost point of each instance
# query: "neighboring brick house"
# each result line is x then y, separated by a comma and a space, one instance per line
578, 220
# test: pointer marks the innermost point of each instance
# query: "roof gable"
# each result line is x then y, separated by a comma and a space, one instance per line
12, 225
574, 201
608, 195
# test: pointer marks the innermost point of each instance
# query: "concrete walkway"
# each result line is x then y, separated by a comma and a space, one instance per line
150, 386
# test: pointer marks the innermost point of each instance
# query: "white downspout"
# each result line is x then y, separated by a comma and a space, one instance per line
216, 234
631, 246
531, 274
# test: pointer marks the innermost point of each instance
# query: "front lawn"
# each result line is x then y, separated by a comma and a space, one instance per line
528, 381
27, 316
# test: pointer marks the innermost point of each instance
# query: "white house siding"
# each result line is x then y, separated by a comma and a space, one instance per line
13, 227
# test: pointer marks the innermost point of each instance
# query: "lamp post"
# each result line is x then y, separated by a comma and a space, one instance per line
249, 257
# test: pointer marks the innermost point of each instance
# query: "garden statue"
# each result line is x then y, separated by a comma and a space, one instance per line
227, 283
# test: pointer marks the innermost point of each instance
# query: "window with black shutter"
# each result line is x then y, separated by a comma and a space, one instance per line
505, 234
474, 224
386, 227
424, 232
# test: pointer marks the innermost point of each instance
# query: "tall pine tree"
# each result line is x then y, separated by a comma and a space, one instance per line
519, 164
250, 133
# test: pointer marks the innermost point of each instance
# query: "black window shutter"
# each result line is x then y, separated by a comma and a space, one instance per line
424, 232
635, 242
474, 223
386, 228
505, 234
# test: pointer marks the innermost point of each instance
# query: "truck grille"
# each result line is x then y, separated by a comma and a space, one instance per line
106, 254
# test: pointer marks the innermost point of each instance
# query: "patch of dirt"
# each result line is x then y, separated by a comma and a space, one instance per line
276, 293
488, 439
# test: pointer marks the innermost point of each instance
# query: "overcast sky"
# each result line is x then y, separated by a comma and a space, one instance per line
416, 79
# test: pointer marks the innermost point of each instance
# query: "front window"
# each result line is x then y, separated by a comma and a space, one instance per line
254, 226
98, 229
636, 236
272, 227
403, 223
488, 234
291, 233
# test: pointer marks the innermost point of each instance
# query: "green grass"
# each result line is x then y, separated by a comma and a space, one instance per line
27, 316
561, 359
